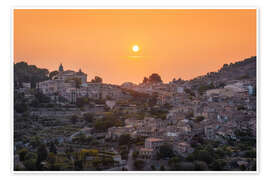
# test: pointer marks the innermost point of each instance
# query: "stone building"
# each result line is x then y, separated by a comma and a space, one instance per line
70, 75
153, 143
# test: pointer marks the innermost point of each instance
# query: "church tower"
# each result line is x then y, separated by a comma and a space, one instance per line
61, 69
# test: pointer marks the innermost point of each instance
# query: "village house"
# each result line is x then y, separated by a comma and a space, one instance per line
69, 75
182, 148
65, 84
115, 132
209, 132
153, 143
146, 153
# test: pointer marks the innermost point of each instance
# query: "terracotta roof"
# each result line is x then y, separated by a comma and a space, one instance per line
154, 139
146, 149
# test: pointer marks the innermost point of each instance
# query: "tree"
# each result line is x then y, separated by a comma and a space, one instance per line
139, 164
251, 153
78, 82
107, 161
174, 162
30, 161
41, 98
30, 164
51, 160
81, 101
29, 73
188, 91
30, 155
135, 154
200, 166
88, 117
53, 148
97, 79
189, 115
218, 165
155, 78
22, 154
153, 100
203, 155
52, 74
124, 139
204, 88
145, 80
109, 120
165, 151
42, 154
199, 118
35, 142
74, 119
20, 107
186, 166
162, 168
78, 164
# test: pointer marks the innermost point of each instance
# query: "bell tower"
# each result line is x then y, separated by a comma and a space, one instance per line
61, 69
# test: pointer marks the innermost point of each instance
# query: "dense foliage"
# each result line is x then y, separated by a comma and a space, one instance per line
29, 73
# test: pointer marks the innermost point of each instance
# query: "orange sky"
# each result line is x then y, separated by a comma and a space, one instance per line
173, 43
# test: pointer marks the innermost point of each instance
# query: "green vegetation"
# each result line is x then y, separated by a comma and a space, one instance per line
153, 78
159, 113
21, 107
124, 139
74, 119
205, 87
88, 117
28, 73
139, 164
199, 118
165, 151
22, 154
109, 120
82, 101
189, 115
188, 91
97, 79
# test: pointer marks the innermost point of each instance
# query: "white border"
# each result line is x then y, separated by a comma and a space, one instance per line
136, 172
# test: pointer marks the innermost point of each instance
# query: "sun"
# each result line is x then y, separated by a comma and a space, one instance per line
135, 48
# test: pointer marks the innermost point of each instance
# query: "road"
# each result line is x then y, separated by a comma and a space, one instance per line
130, 161
128, 166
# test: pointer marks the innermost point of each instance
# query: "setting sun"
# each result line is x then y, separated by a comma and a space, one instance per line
135, 48
152, 36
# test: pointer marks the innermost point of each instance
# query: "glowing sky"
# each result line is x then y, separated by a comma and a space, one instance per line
172, 43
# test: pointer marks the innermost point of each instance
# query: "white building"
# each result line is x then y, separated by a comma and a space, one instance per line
153, 143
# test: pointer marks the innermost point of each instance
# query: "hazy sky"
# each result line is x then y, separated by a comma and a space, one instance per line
173, 43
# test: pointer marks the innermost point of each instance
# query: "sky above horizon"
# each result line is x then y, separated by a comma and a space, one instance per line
173, 43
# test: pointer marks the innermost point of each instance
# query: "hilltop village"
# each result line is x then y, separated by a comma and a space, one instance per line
62, 122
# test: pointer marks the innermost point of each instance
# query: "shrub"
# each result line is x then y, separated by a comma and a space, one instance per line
20, 108
30, 164
139, 164
165, 151
203, 155
186, 166
88, 117
200, 166
22, 154
199, 118
218, 165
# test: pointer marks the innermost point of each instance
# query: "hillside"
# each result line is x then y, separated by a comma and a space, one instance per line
28, 73
240, 70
